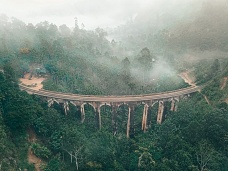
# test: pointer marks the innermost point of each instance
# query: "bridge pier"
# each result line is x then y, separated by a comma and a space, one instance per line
66, 107
82, 113
130, 119
115, 101
160, 112
50, 102
98, 115
144, 118
172, 105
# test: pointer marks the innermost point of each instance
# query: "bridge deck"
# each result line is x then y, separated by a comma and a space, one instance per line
110, 99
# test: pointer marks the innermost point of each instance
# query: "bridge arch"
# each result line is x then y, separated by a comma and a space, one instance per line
91, 117
145, 117
121, 118
116, 102
88, 103
174, 101
140, 116
51, 101
154, 102
105, 104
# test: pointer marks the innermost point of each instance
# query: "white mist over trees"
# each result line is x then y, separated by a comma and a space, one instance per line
161, 39
177, 27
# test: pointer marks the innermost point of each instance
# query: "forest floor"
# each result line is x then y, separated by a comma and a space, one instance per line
31, 157
34, 82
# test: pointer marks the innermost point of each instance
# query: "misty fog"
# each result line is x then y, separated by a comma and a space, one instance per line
114, 85
103, 41
98, 13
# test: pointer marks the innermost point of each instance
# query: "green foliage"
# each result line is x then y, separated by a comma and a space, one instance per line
101, 147
9, 72
56, 141
53, 165
145, 59
18, 108
192, 138
91, 89
6, 146
173, 145
79, 61
40, 151
146, 161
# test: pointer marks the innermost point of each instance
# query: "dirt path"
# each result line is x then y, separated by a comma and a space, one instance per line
34, 83
224, 83
226, 100
191, 81
187, 78
207, 100
31, 157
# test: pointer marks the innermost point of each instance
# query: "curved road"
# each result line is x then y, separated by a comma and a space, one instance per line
111, 99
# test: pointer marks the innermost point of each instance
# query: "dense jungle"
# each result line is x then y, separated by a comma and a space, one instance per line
142, 56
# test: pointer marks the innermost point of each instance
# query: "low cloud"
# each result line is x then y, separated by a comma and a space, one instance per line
103, 13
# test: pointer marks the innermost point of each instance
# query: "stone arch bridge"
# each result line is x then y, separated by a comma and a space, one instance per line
148, 100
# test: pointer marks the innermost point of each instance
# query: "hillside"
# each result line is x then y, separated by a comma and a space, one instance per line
195, 131
192, 28
81, 61
150, 54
